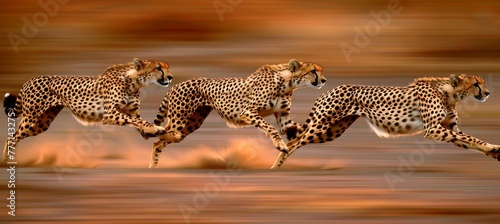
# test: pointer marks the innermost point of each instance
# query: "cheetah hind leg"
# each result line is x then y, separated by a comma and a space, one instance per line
155, 153
10, 145
23, 130
30, 129
294, 131
176, 136
169, 137
332, 132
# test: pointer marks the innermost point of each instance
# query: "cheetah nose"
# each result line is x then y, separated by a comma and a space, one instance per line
323, 80
170, 77
486, 93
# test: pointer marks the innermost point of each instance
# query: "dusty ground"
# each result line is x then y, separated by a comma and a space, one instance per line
97, 174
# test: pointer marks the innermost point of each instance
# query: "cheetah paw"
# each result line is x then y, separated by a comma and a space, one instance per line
153, 131
494, 153
282, 148
160, 130
153, 165
144, 134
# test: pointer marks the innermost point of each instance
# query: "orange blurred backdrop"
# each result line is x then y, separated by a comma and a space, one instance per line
372, 42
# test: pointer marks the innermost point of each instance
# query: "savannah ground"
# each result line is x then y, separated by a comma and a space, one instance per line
98, 174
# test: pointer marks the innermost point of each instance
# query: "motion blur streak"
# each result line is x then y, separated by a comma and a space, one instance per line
61, 179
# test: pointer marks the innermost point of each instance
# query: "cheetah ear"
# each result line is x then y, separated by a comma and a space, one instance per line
454, 80
138, 64
294, 65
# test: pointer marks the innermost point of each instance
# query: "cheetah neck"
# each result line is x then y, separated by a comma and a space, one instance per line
444, 85
125, 71
133, 84
287, 85
281, 75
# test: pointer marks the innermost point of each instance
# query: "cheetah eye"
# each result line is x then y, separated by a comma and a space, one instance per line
476, 85
158, 68
314, 72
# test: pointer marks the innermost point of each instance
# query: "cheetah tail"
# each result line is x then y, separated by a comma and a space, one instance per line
12, 105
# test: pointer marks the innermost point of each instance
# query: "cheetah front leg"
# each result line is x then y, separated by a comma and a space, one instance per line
440, 133
435, 130
451, 121
112, 116
286, 125
252, 117
132, 109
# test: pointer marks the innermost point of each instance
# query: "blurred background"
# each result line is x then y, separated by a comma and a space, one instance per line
218, 174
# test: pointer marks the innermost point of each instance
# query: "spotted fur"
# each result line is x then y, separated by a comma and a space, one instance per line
111, 98
239, 101
427, 105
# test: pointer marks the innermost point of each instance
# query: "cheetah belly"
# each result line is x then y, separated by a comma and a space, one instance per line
91, 115
231, 116
233, 121
410, 128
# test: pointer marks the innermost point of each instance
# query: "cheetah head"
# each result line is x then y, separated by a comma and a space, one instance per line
305, 74
149, 72
469, 87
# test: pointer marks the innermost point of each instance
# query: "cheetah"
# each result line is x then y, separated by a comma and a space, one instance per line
240, 101
426, 105
111, 98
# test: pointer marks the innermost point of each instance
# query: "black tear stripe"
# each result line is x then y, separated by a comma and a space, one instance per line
479, 95
162, 80
316, 81
162, 76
